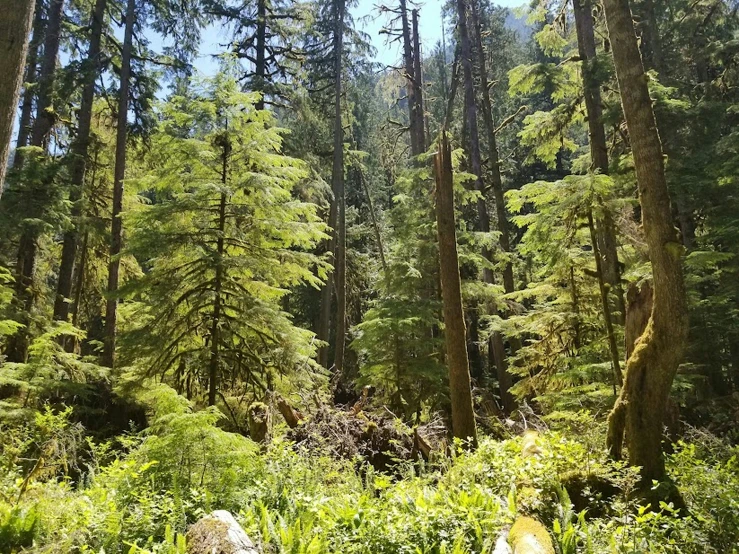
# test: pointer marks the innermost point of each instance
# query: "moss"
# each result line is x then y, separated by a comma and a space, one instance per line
528, 536
589, 491
208, 535
529, 444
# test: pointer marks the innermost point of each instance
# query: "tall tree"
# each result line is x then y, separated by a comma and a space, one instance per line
15, 19
606, 236
91, 70
42, 125
337, 212
116, 239
15, 28
505, 380
651, 369
460, 391
264, 35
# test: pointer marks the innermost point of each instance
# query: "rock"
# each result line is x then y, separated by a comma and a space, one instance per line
528, 536
530, 444
501, 545
219, 533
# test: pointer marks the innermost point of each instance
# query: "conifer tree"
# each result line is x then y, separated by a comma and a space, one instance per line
223, 248
460, 389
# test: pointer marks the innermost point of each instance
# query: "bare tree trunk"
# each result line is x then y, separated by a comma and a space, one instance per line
417, 82
44, 114
15, 27
116, 239
24, 124
375, 223
650, 39
483, 223
650, 370
463, 415
409, 68
598, 146
79, 164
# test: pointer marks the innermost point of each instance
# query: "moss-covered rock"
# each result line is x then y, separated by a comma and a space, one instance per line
218, 533
528, 536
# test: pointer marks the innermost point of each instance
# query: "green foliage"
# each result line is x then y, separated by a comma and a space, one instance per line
223, 243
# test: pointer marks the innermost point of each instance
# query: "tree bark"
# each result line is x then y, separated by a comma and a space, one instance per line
260, 67
79, 164
409, 68
505, 380
28, 243
215, 330
650, 370
31, 60
337, 244
612, 344
116, 239
417, 82
598, 146
15, 27
337, 184
45, 116
463, 415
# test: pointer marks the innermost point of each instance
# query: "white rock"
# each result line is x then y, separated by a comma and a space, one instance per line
219, 533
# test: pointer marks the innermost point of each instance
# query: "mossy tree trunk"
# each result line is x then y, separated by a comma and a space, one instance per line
463, 415
640, 409
15, 26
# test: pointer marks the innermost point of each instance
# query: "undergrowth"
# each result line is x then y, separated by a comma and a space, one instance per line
141, 495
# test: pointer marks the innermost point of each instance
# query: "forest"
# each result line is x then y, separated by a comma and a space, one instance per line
263, 291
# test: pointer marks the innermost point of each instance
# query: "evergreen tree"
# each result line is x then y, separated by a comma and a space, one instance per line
222, 248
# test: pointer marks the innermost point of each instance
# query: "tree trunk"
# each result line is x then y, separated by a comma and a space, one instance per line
260, 67
15, 27
650, 39
598, 146
337, 280
417, 82
28, 243
505, 380
79, 164
45, 116
215, 331
116, 239
337, 184
375, 223
409, 68
24, 124
650, 371
463, 415
612, 345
